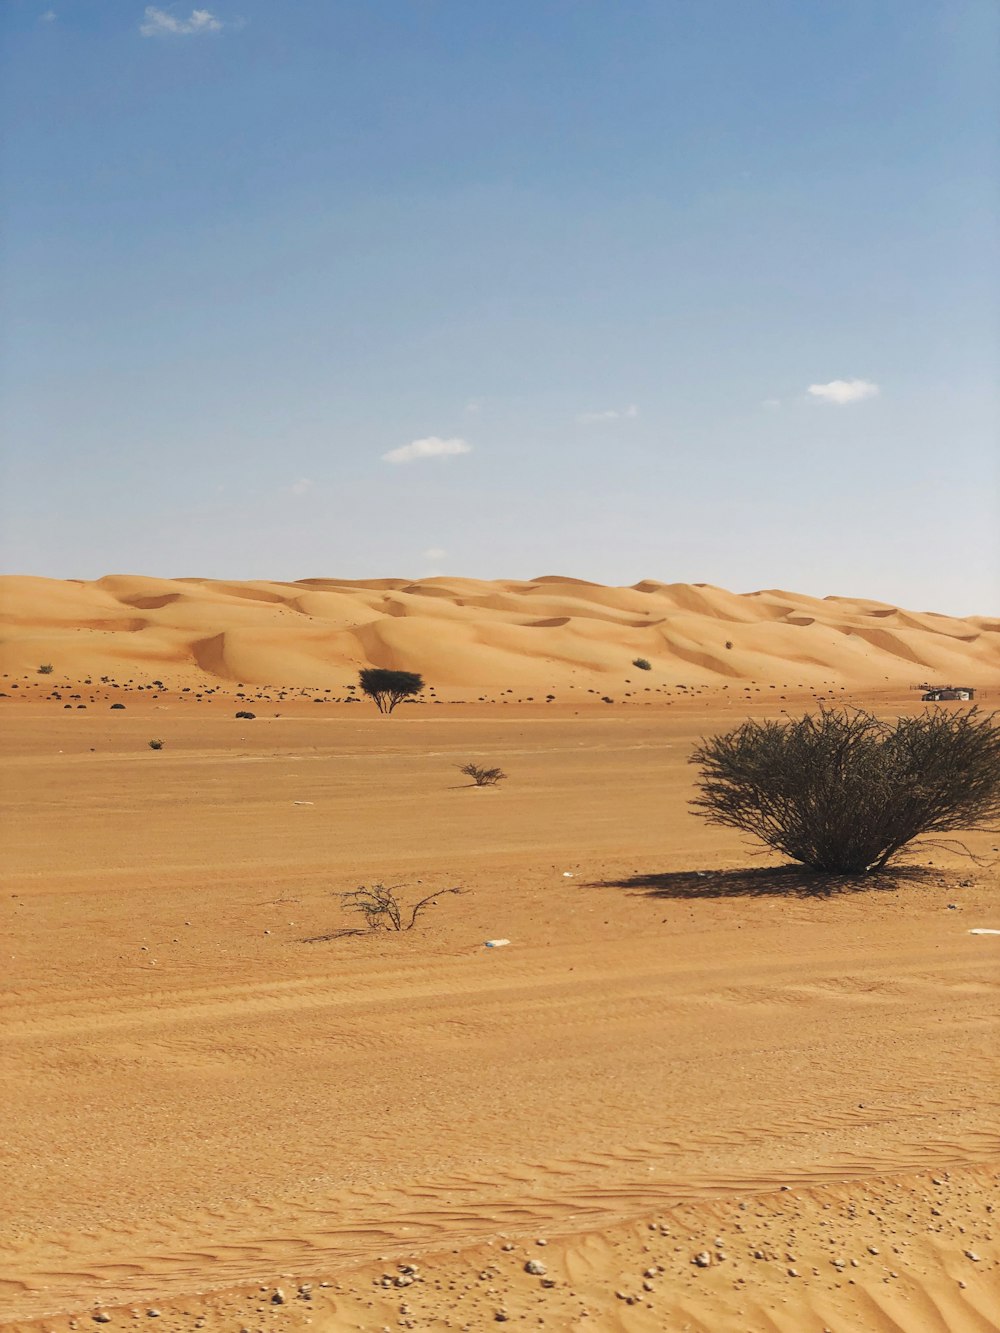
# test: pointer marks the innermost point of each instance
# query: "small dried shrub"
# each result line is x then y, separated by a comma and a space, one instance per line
46, 669
381, 908
642, 663
483, 777
244, 713
156, 745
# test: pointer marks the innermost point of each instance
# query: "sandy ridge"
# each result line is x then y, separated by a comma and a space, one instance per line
549, 633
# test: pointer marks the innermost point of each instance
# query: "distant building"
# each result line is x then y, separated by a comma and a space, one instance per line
939, 694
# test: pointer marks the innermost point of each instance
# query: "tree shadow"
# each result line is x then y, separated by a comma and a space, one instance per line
785, 881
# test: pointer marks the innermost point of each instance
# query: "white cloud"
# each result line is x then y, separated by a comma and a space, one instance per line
301, 486
771, 404
590, 418
158, 23
844, 391
434, 553
48, 17
431, 447
473, 407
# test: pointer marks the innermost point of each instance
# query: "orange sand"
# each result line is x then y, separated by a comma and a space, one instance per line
200, 1107
549, 635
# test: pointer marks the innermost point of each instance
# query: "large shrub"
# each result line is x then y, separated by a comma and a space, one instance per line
843, 792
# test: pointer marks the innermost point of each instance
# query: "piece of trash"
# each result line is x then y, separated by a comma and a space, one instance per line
303, 803
496, 944
982, 930
567, 874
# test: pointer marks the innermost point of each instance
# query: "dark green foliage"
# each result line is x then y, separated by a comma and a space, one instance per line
843, 792
388, 688
483, 777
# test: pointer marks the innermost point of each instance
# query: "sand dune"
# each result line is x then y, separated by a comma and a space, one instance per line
550, 634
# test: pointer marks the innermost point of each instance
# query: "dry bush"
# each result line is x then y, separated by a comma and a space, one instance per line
381, 908
844, 792
483, 777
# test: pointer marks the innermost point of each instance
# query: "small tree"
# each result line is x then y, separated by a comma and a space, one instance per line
483, 777
843, 792
388, 688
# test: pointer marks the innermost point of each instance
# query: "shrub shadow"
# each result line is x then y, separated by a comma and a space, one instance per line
786, 881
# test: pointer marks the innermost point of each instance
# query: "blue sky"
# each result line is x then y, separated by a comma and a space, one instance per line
681, 290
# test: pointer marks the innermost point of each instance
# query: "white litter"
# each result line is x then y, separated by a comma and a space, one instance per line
981, 930
567, 874
496, 944
303, 803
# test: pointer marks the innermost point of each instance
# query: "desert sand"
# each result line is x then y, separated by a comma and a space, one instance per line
695, 1093
550, 634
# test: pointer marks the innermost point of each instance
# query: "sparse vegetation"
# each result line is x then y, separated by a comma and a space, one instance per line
46, 669
156, 745
844, 792
483, 777
245, 713
642, 663
389, 688
729, 643
381, 908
